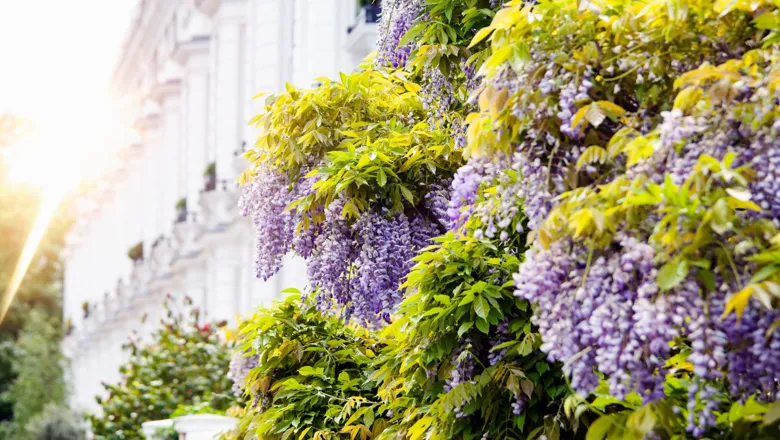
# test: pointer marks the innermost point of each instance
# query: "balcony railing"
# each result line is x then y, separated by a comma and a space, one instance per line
367, 14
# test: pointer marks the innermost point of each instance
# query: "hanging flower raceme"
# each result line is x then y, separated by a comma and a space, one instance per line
347, 176
649, 179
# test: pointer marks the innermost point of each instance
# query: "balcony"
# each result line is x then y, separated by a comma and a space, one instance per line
361, 38
219, 205
186, 234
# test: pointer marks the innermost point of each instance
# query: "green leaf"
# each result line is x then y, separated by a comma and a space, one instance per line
600, 428
483, 326
443, 299
520, 422
707, 278
412, 33
772, 414
381, 178
310, 371
481, 307
642, 420
481, 35
672, 274
466, 326
406, 193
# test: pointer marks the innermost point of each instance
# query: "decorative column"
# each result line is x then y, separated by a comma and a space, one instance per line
167, 96
136, 201
193, 56
269, 48
229, 30
149, 128
225, 292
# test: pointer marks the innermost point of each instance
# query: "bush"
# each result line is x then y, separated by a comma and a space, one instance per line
55, 423
184, 364
312, 375
464, 361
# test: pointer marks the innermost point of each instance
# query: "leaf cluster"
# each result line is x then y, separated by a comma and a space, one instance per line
629, 419
600, 39
311, 381
458, 294
363, 138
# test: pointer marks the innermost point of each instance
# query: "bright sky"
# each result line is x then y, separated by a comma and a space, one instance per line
57, 57
55, 52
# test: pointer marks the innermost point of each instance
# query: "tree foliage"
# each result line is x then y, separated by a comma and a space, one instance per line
30, 331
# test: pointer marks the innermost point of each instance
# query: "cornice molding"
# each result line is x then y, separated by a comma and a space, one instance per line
147, 28
185, 50
169, 88
148, 122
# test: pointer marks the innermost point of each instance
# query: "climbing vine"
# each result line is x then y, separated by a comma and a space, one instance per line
550, 219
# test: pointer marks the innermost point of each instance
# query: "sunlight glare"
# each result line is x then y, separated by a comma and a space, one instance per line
49, 203
59, 154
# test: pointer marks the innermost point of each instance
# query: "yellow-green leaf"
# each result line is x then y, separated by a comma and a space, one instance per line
612, 109
481, 35
738, 302
594, 154
672, 274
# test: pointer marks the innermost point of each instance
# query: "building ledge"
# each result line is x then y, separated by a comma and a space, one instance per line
219, 206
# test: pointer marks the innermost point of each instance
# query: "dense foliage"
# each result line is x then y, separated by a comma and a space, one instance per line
660, 205
464, 362
39, 366
340, 175
54, 423
603, 178
311, 375
184, 363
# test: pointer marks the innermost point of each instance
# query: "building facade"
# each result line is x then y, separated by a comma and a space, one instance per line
165, 219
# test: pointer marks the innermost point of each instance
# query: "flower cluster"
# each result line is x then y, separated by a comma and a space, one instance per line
397, 18
356, 200
240, 365
649, 182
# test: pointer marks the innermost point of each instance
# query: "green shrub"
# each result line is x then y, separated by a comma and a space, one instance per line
312, 377
184, 364
55, 423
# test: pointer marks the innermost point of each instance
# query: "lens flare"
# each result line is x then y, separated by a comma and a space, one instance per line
50, 200
59, 155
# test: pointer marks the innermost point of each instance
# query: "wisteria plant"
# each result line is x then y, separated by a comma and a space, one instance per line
345, 176
305, 375
604, 179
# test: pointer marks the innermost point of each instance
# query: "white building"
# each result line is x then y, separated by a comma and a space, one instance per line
188, 70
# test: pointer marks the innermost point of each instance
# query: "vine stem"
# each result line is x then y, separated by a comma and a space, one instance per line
732, 264
587, 269
358, 402
389, 20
